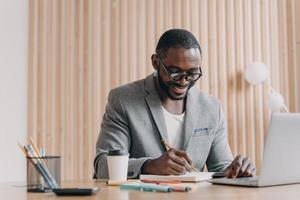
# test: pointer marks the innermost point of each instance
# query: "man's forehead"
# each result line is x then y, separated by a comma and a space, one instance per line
180, 53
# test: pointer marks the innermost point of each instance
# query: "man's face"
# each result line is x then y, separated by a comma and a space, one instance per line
177, 60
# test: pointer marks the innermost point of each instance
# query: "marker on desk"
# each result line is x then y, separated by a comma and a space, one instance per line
175, 188
146, 187
178, 188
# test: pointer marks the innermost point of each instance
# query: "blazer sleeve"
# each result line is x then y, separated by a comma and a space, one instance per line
220, 155
115, 134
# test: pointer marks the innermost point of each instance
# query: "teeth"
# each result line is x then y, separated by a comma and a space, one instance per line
180, 87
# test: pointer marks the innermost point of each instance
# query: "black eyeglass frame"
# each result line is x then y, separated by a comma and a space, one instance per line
184, 74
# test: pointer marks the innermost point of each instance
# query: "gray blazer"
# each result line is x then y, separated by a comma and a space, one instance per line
134, 121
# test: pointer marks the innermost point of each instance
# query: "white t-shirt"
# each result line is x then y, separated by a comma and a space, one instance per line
174, 125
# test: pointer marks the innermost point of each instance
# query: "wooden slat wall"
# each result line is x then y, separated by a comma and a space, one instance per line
79, 50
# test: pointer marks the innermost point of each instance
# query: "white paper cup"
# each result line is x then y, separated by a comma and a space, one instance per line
117, 162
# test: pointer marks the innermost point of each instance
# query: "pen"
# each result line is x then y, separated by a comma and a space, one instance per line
175, 188
178, 188
169, 147
146, 187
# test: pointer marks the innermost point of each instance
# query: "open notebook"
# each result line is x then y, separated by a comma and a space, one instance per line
188, 177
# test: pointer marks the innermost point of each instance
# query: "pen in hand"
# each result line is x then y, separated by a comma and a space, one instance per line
169, 147
171, 162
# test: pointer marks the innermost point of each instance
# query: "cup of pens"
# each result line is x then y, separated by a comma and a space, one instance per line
43, 180
43, 172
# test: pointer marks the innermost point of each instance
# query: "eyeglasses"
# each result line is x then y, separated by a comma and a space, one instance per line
177, 76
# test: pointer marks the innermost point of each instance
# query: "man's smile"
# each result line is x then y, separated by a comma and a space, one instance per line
179, 89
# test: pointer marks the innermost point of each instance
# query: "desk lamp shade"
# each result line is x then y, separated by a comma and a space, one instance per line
257, 73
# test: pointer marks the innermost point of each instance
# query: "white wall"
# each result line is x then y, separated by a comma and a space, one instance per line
13, 88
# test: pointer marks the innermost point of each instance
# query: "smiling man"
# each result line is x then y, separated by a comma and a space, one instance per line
165, 108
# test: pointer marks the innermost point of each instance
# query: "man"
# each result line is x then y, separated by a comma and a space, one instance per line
165, 108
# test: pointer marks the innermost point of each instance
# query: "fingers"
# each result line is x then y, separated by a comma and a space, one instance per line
245, 164
250, 171
234, 168
170, 163
180, 161
240, 167
176, 168
184, 155
247, 169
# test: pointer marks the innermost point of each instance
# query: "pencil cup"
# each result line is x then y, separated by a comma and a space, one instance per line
117, 161
35, 181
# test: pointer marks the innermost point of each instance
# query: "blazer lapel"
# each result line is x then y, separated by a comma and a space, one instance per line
191, 116
154, 104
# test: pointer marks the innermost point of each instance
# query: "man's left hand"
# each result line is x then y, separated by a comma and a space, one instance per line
240, 167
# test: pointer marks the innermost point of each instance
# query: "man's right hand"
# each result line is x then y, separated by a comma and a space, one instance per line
172, 162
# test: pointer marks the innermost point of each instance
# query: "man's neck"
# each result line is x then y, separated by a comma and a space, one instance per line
174, 107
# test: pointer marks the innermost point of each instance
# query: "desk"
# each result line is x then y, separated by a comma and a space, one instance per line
200, 191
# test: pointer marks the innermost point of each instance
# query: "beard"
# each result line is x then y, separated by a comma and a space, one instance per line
167, 88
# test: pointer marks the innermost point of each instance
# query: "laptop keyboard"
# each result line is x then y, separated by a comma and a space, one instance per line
247, 179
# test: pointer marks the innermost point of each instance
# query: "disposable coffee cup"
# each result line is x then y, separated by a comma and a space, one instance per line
117, 162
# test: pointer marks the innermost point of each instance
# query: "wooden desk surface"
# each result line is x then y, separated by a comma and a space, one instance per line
203, 190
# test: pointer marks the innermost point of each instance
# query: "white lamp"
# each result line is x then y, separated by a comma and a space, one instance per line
256, 73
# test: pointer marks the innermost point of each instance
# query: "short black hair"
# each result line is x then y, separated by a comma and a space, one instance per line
175, 38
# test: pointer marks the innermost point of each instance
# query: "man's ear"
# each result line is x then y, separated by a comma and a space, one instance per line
155, 62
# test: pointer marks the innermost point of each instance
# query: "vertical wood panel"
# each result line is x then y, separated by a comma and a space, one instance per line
32, 68
141, 41
204, 41
151, 32
257, 99
79, 50
212, 43
61, 109
231, 77
91, 120
241, 136
297, 23
282, 25
222, 74
58, 80
291, 35
265, 35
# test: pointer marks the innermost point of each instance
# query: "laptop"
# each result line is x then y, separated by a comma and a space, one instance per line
281, 161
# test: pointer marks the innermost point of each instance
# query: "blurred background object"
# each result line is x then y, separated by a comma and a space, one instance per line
257, 73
